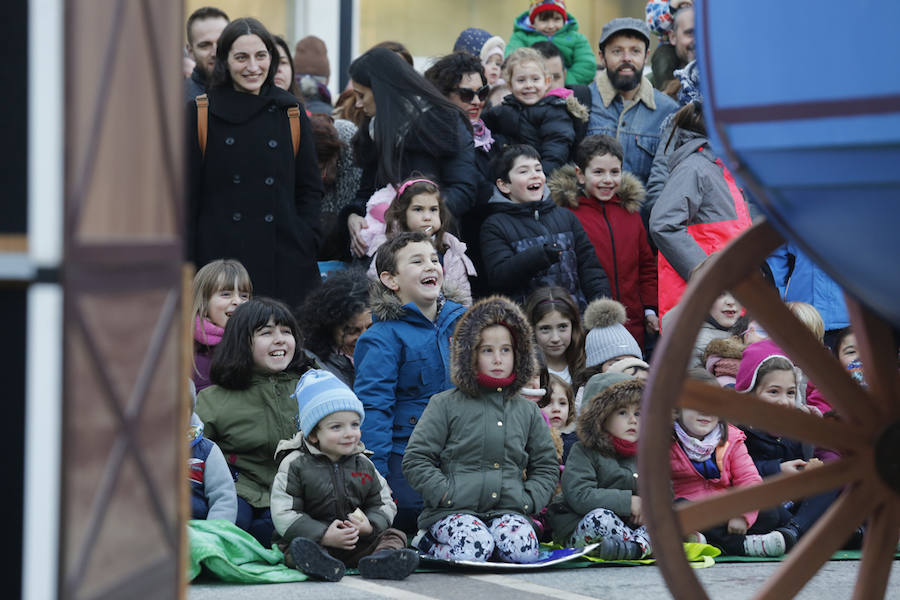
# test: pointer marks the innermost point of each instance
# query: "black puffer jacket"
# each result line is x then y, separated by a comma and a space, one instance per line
452, 169
516, 243
546, 125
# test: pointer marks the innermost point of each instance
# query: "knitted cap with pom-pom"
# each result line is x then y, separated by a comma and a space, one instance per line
607, 337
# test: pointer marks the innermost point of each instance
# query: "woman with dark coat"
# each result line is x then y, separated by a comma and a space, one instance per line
460, 77
250, 197
416, 129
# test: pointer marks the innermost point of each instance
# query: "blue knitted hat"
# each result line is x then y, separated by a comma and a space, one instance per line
471, 40
318, 394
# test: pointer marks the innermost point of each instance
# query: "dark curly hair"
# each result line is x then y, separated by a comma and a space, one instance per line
341, 297
448, 71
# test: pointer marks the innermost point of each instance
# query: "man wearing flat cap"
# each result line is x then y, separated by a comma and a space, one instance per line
624, 103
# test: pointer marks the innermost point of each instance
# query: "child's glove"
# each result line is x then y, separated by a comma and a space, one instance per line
553, 253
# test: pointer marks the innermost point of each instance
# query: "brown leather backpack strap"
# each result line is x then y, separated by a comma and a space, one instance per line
202, 121
294, 116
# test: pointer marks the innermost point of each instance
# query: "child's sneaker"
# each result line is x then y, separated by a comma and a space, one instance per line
313, 560
613, 549
695, 538
389, 564
770, 544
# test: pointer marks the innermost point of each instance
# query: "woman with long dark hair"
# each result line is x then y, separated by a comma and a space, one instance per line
251, 196
409, 126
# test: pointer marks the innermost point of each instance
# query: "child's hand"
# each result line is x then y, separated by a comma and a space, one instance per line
361, 521
793, 466
651, 323
813, 463
737, 525
341, 534
637, 516
355, 224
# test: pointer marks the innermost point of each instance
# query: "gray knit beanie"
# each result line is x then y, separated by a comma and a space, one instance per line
607, 337
319, 393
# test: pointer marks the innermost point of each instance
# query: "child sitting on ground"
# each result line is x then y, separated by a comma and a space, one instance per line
528, 242
549, 20
529, 115
481, 454
558, 407
212, 484
708, 456
403, 359
767, 373
600, 501
330, 506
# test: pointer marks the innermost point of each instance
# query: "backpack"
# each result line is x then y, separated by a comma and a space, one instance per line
203, 123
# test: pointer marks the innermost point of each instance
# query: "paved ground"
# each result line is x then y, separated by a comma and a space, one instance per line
728, 581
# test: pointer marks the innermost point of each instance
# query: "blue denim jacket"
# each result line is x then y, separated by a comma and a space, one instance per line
636, 126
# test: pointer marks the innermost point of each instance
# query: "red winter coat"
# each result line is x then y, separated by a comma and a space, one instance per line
735, 467
617, 233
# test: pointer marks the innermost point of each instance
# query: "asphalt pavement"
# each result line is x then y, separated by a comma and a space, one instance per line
728, 581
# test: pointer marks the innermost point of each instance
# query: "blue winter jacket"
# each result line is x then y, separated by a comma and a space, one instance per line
637, 126
806, 282
401, 362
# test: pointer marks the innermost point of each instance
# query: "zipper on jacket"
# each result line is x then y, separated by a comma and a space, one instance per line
340, 500
537, 215
612, 244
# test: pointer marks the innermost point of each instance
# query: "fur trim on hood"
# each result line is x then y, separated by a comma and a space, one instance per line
577, 109
386, 305
590, 422
489, 311
730, 347
566, 191
604, 312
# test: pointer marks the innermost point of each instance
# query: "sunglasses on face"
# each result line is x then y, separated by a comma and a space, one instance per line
467, 95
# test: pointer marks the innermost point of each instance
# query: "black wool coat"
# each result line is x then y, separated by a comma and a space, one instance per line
250, 198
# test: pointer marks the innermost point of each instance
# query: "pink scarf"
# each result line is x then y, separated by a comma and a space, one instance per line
206, 332
698, 450
481, 135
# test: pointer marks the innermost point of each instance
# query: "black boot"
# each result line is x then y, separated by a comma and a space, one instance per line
389, 564
613, 549
313, 560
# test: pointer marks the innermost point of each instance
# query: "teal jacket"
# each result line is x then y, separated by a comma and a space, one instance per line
578, 56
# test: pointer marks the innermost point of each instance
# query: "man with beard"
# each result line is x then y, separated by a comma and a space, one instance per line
678, 52
624, 103
204, 27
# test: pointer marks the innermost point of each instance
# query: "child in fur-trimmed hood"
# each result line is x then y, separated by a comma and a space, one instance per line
599, 485
472, 444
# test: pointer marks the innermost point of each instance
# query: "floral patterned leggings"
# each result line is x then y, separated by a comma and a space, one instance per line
601, 523
466, 537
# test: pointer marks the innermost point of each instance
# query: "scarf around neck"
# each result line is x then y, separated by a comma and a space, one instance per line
206, 332
495, 382
698, 450
624, 447
481, 135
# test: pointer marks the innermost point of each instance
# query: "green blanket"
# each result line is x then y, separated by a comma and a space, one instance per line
233, 555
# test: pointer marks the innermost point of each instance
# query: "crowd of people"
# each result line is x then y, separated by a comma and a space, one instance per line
512, 227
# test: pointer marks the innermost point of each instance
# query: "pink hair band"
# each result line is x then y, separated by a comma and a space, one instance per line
412, 181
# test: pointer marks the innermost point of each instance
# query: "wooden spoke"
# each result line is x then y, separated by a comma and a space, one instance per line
763, 302
750, 410
879, 547
878, 354
828, 534
703, 514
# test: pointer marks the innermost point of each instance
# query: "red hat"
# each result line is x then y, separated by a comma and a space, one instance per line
539, 6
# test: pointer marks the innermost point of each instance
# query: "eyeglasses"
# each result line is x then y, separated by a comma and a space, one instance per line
467, 95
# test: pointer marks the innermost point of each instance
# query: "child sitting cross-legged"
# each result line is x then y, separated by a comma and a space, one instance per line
481, 454
330, 506
600, 501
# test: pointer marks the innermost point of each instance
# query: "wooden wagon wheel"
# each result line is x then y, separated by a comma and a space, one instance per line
868, 436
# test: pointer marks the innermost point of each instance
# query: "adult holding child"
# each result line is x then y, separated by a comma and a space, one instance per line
409, 127
252, 196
